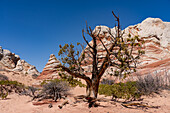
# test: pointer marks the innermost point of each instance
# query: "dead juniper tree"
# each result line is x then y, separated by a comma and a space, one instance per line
119, 54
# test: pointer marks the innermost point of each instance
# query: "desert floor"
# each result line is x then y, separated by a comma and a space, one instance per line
22, 104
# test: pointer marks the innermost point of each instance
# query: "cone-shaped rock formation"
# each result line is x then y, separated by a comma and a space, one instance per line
49, 71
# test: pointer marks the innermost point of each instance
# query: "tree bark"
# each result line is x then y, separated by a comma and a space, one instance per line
92, 90
95, 88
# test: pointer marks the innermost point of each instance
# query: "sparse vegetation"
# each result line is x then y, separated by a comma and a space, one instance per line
107, 81
73, 82
153, 83
55, 89
32, 90
146, 85
149, 84
7, 87
126, 90
3, 77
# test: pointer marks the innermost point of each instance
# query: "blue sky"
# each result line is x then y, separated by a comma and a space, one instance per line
34, 29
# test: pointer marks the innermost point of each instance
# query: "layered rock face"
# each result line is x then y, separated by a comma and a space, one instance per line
49, 71
12, 62
156, 35
153, 31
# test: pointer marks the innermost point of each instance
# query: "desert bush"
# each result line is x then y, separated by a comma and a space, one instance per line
55, 89
73, 82
149, 84
3, 77
126, 90
152, 83
34, 76
167, 78
31, 91
7, 87
107, 81
105, 89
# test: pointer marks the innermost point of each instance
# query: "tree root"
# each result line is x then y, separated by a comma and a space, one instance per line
129, 105
92, 102
63, 104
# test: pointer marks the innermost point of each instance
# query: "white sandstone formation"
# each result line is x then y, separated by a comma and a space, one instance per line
11, 62
154, 31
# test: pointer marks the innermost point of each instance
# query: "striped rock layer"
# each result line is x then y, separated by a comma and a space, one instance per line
49, 71
153, 31
156, 35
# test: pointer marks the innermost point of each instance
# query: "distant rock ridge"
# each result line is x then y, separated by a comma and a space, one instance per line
49, 71
12, 62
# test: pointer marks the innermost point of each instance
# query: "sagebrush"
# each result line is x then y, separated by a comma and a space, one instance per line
55, 89
153, 83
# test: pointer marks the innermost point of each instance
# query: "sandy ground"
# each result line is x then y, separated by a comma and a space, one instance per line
16, 76
21, 104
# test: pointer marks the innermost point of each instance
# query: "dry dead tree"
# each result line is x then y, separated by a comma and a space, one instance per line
119, 55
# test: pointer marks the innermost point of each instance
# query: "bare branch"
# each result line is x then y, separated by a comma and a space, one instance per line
75, 74
85, 39
109, 31
104, 46
89, 55
117, 18
114, 64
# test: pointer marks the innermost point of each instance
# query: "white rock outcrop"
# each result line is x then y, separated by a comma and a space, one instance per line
154, 31
10, 61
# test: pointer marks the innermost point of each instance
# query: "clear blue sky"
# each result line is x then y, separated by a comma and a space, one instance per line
33, 29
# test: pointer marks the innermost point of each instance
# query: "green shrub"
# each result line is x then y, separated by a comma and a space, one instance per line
105, 89
4, 95
9, 86
11, 83
126, 90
